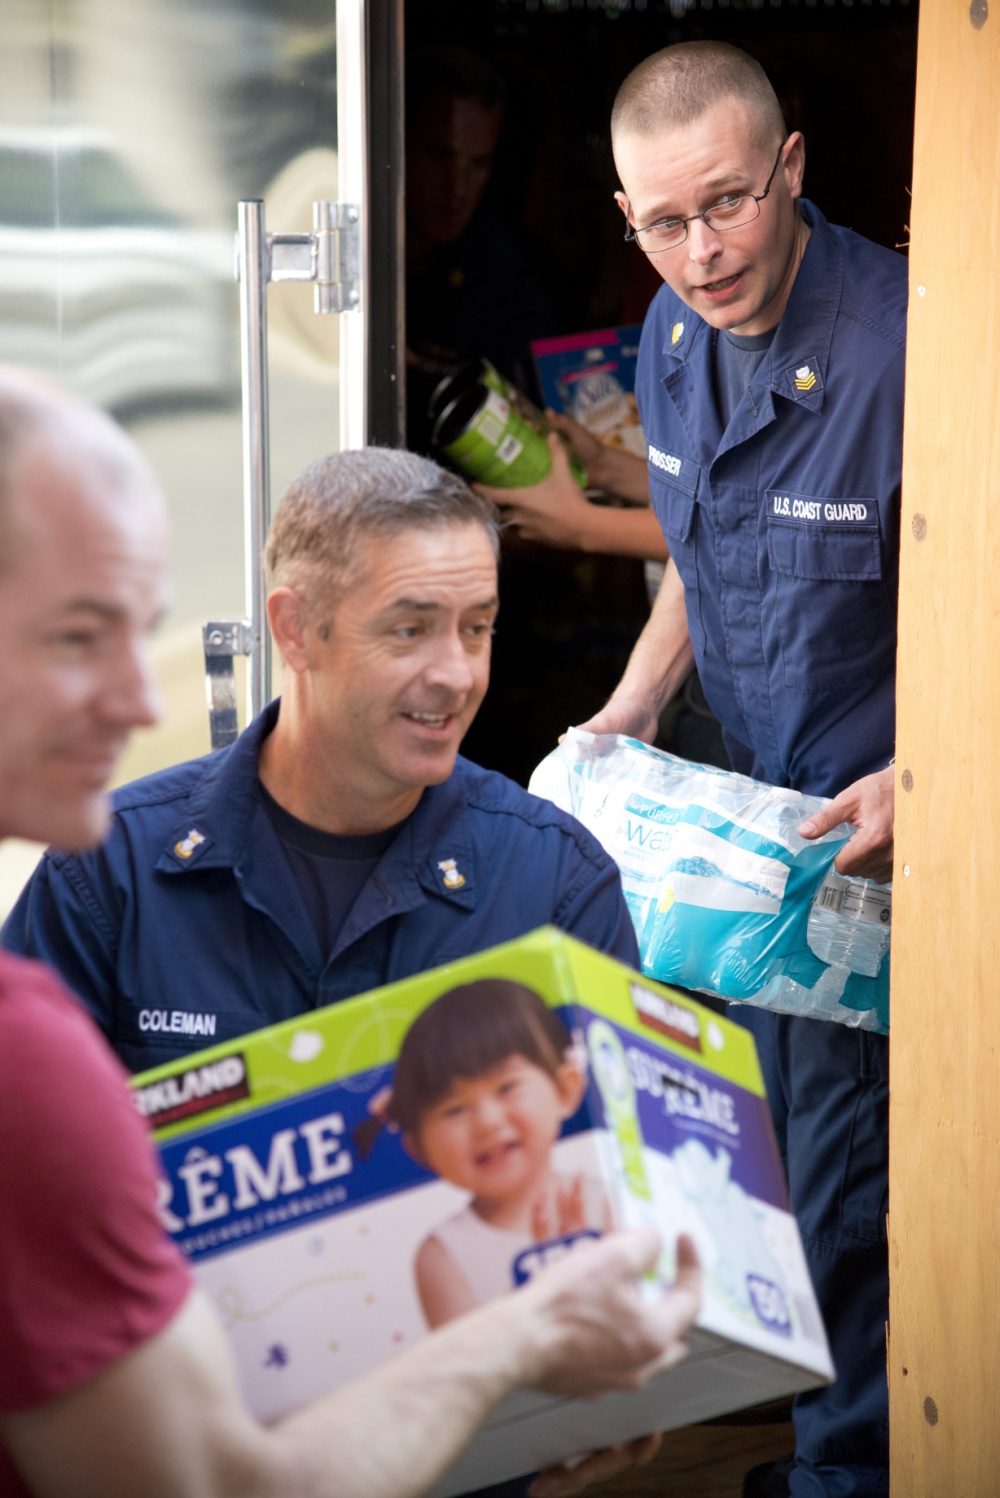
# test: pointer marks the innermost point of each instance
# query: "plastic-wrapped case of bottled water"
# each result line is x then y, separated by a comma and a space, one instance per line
725, 896
849, 923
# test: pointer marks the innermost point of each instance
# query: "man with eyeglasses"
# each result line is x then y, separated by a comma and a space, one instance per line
770, 387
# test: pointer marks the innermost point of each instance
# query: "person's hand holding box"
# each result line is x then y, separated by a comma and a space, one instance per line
588, 1327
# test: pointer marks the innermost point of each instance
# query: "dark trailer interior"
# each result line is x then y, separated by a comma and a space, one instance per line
844, 71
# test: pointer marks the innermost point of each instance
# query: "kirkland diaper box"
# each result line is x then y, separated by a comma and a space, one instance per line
344, 1181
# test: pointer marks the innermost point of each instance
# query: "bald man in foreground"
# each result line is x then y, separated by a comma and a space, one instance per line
115, 1377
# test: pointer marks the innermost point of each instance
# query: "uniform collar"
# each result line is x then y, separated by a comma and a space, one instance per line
221, 810
442, 842
800, 352
225, 827
798, 357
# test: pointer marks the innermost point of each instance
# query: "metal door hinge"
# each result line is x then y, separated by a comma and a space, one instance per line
329, 257
222, 640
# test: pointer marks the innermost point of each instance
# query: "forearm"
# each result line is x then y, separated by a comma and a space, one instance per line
576, 1331
625, 533
393, 1433
662, 658
167, 1420
620, 472
657, 667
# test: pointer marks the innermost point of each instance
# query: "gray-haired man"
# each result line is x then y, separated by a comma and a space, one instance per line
115, 1377
340, 843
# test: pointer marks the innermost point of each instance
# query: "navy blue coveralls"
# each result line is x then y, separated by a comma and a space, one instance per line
784, 528
186, 928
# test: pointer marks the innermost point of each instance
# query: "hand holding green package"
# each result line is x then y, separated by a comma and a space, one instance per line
725, 896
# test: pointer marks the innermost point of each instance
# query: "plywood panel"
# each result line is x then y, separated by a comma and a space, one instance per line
944, 1357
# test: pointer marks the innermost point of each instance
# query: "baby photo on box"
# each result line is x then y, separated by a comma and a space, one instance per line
486, 1078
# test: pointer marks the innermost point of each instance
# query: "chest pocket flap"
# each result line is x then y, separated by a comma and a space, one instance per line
832, 609
846, 551
673, 484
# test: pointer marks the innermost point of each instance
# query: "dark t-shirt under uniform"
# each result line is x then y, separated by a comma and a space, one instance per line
330, 870
736, 360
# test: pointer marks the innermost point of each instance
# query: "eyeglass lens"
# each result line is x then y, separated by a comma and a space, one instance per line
725, 216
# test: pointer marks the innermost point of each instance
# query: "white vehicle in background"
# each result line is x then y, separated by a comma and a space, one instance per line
100, 287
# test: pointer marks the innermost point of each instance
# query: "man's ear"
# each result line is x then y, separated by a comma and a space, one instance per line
571, 1084
286, 614
794, 162
623, 204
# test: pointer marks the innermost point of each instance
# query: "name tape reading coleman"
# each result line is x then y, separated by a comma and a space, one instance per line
177, 1022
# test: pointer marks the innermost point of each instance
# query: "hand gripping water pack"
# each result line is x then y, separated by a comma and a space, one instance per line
725, 896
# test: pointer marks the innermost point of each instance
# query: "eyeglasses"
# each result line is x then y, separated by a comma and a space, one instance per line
730, 212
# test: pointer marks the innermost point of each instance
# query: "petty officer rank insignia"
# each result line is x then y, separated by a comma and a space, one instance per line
187, 845
677, 332
804, 378
450, 875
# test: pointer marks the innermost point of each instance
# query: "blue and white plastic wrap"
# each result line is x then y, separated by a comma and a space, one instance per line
725, 896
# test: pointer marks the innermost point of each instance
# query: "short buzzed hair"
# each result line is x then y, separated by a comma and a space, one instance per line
677, 84
327, 512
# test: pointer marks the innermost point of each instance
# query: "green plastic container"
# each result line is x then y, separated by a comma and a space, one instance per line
489, 428
454, 385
